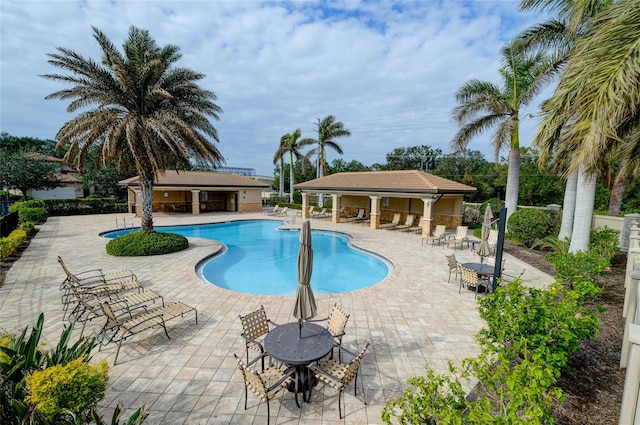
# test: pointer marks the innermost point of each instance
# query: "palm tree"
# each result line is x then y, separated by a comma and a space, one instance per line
327, 129
278, 157
143, 110
594, 109
289, 144
482, 105
559, 36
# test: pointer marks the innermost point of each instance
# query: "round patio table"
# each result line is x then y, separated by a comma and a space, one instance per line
299, 348
484, 271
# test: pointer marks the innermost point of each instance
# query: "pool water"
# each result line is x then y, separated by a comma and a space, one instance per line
260, 259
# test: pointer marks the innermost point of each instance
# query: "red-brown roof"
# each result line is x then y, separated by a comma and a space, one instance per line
400, 181
198, 179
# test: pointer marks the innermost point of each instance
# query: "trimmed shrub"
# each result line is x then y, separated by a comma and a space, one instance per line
496, 205
71, 389
33, 215
61, 207
10, 244
527, 225
136, 244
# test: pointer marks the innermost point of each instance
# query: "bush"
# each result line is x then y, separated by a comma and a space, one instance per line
527, 225
496, 205
71, 389
10, 244
150, 243
472, 216
33, 215
23, 355
61, 207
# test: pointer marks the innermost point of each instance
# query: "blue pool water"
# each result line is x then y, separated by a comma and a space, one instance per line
260, 259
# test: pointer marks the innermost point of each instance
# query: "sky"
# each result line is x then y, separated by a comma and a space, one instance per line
388, 70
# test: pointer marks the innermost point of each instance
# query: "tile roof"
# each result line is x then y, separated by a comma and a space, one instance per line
198, 178
403, 181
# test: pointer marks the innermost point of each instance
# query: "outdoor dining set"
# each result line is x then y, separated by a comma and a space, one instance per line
296, 356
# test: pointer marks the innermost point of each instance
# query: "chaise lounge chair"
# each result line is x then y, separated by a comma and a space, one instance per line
88, 308
394, 223
407, 224
97, 282
117, 329
438, 235
358, 217
460, 237
274, 211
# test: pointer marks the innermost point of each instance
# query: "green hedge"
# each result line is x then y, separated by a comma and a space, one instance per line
142, 244
58, 207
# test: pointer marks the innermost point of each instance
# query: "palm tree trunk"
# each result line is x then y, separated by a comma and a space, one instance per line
568, 206
321, 165
281, 194
513, 182
291, 177
617, 192
146, 193
583, 217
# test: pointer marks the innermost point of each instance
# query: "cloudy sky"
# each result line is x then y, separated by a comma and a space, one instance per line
388, 70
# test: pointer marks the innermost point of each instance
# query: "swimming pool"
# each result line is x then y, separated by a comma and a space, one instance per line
260, 259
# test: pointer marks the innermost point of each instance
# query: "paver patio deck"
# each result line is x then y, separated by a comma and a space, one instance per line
413, 318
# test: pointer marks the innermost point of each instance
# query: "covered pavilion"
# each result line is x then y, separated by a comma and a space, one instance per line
196, 191
382, 194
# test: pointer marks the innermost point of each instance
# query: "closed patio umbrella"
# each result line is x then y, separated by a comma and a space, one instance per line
484, 249
305, 304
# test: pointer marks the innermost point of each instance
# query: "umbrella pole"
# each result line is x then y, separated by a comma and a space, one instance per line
299, 329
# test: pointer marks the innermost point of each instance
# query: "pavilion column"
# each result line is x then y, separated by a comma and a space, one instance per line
138, 202
305, 205
374, 215
427, 216
335, 209
195, 201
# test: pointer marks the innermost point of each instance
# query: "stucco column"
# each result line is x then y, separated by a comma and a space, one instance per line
138, 202
458, 212
305, 205
335, 209
427, 216
195, 201
374, 215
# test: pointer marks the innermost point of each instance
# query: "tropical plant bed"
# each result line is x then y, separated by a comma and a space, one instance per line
593, 385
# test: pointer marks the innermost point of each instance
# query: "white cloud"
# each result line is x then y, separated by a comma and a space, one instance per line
387, 70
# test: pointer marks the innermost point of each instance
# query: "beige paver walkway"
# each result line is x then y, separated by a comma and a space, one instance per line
412, 319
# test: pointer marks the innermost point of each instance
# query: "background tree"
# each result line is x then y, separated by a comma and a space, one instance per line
327, 130
339, 165
473, 169
483, 105
289, 144
12, 144
144, 110
423, 158
20, 171
278, 158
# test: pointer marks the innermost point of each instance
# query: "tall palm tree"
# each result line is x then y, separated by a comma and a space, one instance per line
327, 129
142, 110
289, 144
595, 108
483, 105
278, 158
558, 35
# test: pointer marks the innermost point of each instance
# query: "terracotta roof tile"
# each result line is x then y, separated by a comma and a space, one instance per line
198, 178
404, 181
